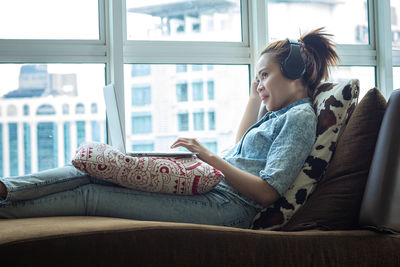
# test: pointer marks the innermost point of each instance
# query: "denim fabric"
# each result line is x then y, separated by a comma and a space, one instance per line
276, 147
67, 192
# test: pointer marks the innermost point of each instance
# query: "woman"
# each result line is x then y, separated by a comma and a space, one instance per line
266, 159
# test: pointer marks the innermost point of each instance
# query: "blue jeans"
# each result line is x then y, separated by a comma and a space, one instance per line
66, 191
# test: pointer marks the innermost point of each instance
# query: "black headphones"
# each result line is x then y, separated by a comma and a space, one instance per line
293, 66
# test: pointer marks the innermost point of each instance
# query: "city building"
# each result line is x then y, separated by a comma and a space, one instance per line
43, 121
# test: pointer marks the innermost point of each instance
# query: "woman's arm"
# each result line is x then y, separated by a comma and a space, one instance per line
247, 184
251, 186
286, 156
250, 115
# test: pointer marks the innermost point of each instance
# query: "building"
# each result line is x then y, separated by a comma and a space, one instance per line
43, 121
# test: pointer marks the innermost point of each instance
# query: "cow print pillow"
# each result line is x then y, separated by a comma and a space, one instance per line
333, 104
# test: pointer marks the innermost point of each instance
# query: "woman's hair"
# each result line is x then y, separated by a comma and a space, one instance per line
318, 54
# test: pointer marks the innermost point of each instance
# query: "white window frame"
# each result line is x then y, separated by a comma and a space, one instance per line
114, 50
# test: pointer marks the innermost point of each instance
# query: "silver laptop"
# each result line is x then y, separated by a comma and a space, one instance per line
115, 129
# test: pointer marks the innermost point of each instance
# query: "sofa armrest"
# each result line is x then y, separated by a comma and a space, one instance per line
380, 207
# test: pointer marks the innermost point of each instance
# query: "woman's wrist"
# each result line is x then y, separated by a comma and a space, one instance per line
209, 158
255, 97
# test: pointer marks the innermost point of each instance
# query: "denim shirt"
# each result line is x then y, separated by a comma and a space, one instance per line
275, 148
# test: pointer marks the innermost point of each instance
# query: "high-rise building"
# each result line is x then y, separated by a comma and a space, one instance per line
45, 121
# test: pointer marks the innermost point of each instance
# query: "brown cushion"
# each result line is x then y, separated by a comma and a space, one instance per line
335, 203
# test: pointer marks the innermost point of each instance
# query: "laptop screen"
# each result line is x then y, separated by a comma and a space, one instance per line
113, 118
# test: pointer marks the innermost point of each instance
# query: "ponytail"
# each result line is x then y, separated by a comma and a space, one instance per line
317, 51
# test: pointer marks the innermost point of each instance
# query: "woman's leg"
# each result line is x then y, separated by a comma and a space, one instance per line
42, 183
215, 207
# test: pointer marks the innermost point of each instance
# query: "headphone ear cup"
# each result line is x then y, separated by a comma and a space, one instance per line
293, 66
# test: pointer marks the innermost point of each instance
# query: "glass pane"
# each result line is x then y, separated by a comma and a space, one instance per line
46, 111
49, 19
396, 78
346, 20
194, 20
395, 18
366, 76
183, 104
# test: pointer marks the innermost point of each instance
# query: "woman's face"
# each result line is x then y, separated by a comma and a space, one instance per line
276, 91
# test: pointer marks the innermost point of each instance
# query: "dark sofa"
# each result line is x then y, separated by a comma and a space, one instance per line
326, 231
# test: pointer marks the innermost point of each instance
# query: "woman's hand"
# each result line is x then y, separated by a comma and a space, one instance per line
253, 89
193, 145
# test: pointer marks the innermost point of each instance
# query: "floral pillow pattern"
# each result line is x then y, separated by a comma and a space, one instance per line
333, 104
172, 175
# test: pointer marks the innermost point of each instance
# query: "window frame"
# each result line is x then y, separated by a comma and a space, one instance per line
114, 50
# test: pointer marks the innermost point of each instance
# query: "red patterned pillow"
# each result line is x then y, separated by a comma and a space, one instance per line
173, 175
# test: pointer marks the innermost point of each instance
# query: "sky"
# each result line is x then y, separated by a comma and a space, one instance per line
31, 19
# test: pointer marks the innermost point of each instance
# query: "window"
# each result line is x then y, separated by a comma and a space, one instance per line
182, 20
181, 92
211, 120
197, 88
181, 68
395, 23
198, 121
141, 123
79, 108
141, 95
13, 148
210, 90
93, 108
46, 109
362, 34
11, 110
162, 44
80, 132
27, 149
95, 131
175, 104
183, 122
47, 141
197, 67
30, 19
26, 110
67, 142
140, 70
65, 109
346, 20
42, 92
366, 76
